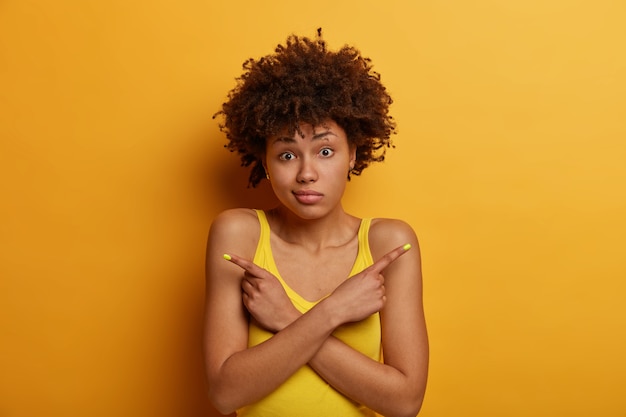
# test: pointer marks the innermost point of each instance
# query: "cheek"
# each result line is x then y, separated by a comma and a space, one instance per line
279, 171
280, 179
341, 169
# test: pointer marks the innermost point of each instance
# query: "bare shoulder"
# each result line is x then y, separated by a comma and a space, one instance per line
388, 234
235, 231
235, 220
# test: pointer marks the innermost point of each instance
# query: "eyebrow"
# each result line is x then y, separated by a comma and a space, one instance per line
317, 136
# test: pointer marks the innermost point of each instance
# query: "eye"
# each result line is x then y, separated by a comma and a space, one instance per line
286, 156
326, 152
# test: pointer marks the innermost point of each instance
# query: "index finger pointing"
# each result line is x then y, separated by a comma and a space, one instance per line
386, 260
244, 264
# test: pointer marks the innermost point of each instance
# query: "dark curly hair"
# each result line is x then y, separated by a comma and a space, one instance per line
304, 82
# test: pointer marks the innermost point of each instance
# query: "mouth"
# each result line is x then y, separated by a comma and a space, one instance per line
308, 196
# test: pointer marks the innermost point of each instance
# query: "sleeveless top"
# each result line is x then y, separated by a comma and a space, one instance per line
305, 393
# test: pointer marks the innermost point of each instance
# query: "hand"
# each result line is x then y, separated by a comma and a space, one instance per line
264, 296
364, 293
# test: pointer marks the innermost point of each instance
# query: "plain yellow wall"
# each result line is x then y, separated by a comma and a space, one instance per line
510, 164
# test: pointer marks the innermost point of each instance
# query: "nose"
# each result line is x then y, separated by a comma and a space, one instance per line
307, 172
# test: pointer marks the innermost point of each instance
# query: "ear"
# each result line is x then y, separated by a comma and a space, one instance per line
352, 156
263, 162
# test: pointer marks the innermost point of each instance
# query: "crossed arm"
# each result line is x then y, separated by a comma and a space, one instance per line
392, 388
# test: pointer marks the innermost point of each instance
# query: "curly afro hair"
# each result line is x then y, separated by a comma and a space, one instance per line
304, 82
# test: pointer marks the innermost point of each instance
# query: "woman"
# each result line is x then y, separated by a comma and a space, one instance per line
300, 320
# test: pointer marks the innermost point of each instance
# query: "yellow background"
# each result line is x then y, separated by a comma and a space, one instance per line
510, 164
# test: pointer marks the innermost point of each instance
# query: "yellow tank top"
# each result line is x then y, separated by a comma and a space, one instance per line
305, 393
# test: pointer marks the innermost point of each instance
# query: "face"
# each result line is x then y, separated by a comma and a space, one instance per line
309, 174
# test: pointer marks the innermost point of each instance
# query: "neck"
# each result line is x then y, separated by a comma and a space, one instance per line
334, 229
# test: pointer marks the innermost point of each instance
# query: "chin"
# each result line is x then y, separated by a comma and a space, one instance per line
305, 212
308, 213
313, 212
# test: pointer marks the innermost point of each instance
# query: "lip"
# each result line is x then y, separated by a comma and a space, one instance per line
308, 196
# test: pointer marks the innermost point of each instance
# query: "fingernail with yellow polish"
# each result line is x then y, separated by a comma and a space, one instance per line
227, 257
407, 246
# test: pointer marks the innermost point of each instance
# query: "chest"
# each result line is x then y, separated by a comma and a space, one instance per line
314, 274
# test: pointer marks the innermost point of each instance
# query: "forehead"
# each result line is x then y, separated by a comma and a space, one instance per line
325, 129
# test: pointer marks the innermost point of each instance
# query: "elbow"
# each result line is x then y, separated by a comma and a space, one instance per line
220, 402
223, 396
410, 407
411, 400
223, 409
416, 406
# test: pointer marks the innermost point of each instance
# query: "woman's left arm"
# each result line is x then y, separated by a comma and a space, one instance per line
395, 387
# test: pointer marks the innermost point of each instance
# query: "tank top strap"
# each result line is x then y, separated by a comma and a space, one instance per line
261, 254
265, 226
364, 256
364, 243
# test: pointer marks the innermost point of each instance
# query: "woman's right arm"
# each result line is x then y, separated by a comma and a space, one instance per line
238, 375
225, 321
